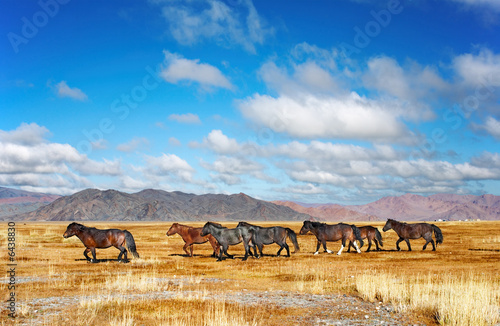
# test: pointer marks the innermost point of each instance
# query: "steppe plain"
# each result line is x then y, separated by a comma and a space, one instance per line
459, 284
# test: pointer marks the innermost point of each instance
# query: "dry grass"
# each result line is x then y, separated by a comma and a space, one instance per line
454, 285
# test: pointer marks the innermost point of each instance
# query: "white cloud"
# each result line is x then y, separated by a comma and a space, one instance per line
29, 159
25, 134
478, 70
491, 126
168, 165
177, 69
188, 118
308, 116
63, 90
220, 143
192, 22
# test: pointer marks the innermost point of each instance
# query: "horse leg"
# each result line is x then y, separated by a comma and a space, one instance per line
349, 246
369, 245
357, 247
408, 243
397, 243
324, 247
317, 247
287, 250
186, 245
376, 243
85, 254
225, 247
341, 248
92, 250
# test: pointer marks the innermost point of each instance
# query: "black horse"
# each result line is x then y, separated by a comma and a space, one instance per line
228, 237
268, 235
325, 232
414, 231
93, 238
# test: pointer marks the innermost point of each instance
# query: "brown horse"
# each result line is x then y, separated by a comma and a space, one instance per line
325, 232
414, 231
93, 238
371, 234
192, 235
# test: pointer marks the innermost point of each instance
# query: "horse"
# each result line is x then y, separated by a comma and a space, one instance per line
414, 231
325, 232
93, 238
372, 234
192, 235
268, 235
228, 237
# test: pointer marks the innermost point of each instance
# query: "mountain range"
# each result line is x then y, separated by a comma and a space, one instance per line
14, 201
409, 207
159, 205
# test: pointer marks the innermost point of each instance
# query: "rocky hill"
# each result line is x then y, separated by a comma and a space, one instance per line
158, 205
14, 201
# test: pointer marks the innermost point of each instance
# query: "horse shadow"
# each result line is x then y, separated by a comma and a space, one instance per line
105, 260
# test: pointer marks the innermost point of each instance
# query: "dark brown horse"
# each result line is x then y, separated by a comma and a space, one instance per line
192, 235
371, 234
414, 231
93, 238
325, 232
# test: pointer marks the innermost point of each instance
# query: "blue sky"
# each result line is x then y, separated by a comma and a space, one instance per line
313, 101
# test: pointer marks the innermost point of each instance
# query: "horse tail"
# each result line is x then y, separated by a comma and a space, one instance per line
357, 235
293, 237
379, 237
131, 243
438, 234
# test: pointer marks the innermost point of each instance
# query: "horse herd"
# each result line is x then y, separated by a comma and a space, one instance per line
255, 237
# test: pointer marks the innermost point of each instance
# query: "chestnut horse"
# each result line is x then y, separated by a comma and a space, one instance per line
93, 238
371, 234
414, 231
325, 232
192, 235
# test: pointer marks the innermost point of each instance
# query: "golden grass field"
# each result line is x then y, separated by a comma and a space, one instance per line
459, 284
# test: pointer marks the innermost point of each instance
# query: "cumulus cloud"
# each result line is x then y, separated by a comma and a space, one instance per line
25, 134
491, 126
28, 158
238, 24
177, 69
308, 116
169, 165
63, 90
481, 69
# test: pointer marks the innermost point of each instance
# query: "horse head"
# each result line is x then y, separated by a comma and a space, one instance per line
206, 229
173, 229
306, 227
72, 229
388, 225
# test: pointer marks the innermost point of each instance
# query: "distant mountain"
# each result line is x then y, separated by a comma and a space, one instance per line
159, 205
441, 206
328, 212
14, 201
